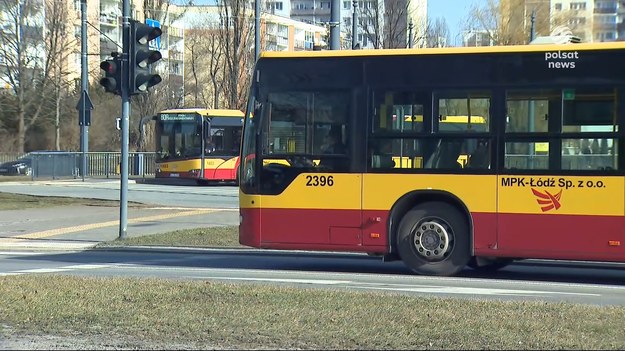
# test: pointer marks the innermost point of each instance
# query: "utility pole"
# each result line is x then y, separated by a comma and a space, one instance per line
354, 27
84, 104
410, 38
123, 189
335, 21
532, 20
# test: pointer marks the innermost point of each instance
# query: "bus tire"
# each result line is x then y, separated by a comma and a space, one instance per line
433, 239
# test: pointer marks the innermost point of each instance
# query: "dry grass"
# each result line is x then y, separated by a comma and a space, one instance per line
200, 237
252, 316
15, 179
9, 201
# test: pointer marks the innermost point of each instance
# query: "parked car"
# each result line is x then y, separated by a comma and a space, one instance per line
24, 164
21, 166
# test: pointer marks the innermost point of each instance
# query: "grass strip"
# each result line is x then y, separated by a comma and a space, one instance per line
226, 236
253, 315
10, 201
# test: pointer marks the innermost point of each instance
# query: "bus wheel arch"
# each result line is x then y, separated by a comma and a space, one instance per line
431, 231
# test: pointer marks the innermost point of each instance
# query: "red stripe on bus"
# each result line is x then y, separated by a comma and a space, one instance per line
551, 236
573, 237
220, 174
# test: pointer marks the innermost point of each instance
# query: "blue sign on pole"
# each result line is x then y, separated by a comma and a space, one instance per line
156, 43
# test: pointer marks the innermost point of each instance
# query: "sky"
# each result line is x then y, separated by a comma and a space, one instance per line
455, 13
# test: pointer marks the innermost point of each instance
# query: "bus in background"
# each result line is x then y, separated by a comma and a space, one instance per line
199, 144
543, 175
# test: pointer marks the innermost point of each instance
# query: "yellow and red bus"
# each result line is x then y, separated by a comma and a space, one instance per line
541, 129
199, 144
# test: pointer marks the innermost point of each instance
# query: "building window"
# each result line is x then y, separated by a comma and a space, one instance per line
577, 20
578, 6
346, 5
558, 7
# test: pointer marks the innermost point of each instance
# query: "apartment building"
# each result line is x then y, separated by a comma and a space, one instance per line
369, 16
104, 36
600, 20
278, 33
590, 20
29, 38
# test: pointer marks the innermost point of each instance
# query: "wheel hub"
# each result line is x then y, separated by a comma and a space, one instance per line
431, 240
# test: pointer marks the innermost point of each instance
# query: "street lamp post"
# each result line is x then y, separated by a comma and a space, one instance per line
410, 38
354, 18
335, 30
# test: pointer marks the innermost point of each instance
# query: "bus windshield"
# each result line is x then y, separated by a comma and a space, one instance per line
178, 136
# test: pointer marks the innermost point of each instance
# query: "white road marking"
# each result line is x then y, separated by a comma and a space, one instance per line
473, 291
283, 280
57, 270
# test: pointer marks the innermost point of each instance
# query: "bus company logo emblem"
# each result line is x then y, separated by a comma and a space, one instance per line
546, 200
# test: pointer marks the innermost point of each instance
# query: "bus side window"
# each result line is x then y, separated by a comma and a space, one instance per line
381, 154
446, 155
480, 157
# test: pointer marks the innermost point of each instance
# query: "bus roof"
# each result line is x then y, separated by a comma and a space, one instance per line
208, 112
447, 51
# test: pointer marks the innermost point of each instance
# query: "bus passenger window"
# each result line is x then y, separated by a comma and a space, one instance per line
398, 111
479, 158
446, 155
382, 154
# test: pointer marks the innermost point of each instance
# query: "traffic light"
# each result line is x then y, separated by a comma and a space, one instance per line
112, 80
142, 57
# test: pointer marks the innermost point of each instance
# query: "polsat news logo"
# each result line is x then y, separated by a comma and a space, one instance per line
547, 200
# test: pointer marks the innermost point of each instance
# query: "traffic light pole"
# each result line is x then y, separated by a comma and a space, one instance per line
123, 189
84, 104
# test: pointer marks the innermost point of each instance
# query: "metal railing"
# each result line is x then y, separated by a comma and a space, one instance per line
59, 165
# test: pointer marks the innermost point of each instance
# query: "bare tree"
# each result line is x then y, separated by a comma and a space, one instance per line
27, 66
160, 10
396, 17
385, 23
59, 42
437, 34
370, 22
237, 28
509, 22
204, 67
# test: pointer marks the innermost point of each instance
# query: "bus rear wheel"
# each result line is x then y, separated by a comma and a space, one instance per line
433, 239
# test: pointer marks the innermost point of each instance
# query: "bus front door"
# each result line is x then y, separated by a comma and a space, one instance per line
320, 210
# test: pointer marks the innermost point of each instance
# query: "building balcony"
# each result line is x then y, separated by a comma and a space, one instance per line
303, 45
175, 32
605, 11
176, 56
109, 19
310, 12
604, 26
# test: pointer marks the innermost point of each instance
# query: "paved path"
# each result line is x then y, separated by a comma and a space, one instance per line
78, 227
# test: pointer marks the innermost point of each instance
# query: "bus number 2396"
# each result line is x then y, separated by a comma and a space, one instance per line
319, 180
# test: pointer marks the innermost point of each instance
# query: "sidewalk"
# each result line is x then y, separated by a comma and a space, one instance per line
82, 227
